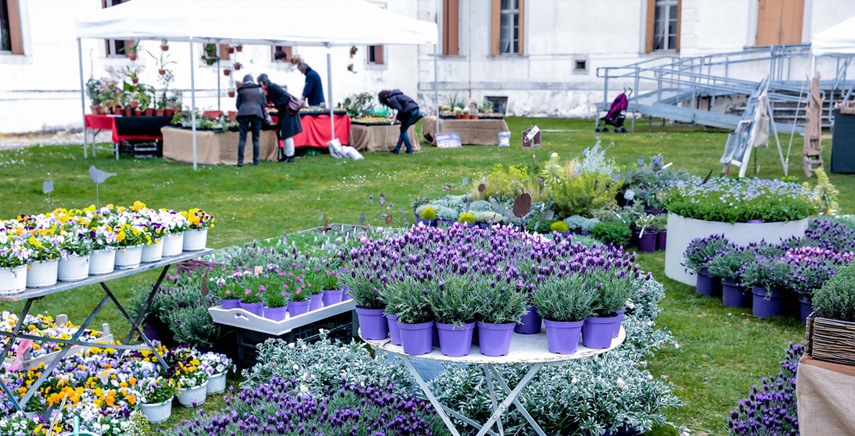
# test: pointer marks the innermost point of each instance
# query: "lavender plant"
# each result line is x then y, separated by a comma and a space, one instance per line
703, 250
836, 299
566, 299
730, 263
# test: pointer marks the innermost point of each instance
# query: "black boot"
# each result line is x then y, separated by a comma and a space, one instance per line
289, 159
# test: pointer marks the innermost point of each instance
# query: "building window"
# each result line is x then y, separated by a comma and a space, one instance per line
580, 66
116, 47
10, 27
780, 22
507, 27
663, 25
450, 27
375, 54
500, 104
289, 53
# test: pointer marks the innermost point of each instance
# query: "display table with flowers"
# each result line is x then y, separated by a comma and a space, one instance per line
123, 129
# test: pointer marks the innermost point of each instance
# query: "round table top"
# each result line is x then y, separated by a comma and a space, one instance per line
524, 349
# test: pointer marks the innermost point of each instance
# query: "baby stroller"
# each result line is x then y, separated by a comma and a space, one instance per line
615, 117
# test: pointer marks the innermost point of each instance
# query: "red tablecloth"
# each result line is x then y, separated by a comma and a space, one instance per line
316, 131
108, 122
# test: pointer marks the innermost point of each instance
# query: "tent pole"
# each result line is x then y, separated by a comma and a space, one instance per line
219, 107
193, 99
82, 97
435, 91
329, 92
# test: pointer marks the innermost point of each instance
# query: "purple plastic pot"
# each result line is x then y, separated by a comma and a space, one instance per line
316, 301
661, 239
733, 294
333, 297
633, 240
426, 222
563, 337
372, 324
647, 242
530, 322
455, 341
417, 339
254, 308
153, 332
767, 308
805, 308
619, 322
563, 235
653, 211
345, 296
296, 308
435, 337
275, 313
597, 332
495, 339
230, 303
755, 221
709, 286
394, 331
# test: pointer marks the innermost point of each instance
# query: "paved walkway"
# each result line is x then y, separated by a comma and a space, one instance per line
11, 141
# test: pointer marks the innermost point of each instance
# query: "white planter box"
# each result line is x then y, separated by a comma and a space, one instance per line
681, 232
243, 319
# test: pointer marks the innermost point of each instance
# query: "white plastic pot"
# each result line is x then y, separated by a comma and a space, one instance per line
195, 239
42, 274
13, 280
157, 413
129, 257
196, 395
217, 383
173, 244
102, 262
152, 252
73, 269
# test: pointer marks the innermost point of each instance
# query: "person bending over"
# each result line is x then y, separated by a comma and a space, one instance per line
287, 125
408, 114
251, 105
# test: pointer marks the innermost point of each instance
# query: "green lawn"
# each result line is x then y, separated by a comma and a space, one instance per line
721, 353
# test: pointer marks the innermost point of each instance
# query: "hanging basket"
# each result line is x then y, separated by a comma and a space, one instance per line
831, 340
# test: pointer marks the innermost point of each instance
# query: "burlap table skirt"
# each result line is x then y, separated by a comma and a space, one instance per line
826, 398
380, 138
472, 132
214, 148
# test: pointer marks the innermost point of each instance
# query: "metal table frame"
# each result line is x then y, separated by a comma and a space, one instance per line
525, 349
30, 295
114, 149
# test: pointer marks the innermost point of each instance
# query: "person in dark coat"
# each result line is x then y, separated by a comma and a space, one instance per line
408, 114
287, 125
313, 91
251, 105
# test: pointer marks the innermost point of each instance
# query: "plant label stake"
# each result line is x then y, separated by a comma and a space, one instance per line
47, 188
447, 187
326, 225
465, 181
388, 219
205, 285
98, 177
382, 199
362, 218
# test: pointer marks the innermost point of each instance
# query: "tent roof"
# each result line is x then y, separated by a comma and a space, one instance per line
837, 40
268, 22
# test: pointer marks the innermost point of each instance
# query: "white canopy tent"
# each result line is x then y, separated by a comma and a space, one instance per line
837, 40
324, 23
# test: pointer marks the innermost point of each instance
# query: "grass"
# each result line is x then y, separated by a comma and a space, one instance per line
721, 353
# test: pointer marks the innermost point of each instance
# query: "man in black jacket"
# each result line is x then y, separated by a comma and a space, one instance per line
313, 91
287, 125
251, 104
408, 114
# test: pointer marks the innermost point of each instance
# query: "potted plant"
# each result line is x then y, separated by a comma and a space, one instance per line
191, 382
217, 366
231, 49
407, 298
42, 261
103, 257
427, 217
353, 50
500, 310
298, 294
453, 299
164, 46
132, 51
251, 297
812, 267
239, 48
209, 54
131, 239
660, 226
75, 248
363, 288
729, 266
329, 282
698, 254
565, 303
275, 302
96, 96
232, 92
458, 113
227, 72
228, 289
467, 113
238, 66
560, 228
615, 288
831, 328
196, 237
467, 219
155, 400
646, 236
770, 280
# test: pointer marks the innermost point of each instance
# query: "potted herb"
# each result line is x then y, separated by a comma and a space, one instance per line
770, 280
832, 332
646, 236
164, 45
454, 303
427, 217
614, 289
729, 266
251, 297
409, 299
364, 289
501, 309
698, 254
812, 267
238, 66
155, 400
297, 288
275, 302
467, 219
660, 225
560, 228
565, 303
333, 293
228, 291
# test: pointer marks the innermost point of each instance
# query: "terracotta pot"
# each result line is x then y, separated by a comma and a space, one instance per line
137, 112
164, 47
161, 72
227, 72
158, 112
231, 49
149, 112
127, 112
473, 117
136, 80
238, 84
95, 109
231, 93
168, 112
458, 116
238, 67
118, 111
132, 56
239, 48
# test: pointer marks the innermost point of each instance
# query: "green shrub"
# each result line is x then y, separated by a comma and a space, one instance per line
559, 226
466, 218
614, 232
424, 207
836, 299
428, 214
578, 223
584, 194
480, 206
730, 264
447, 213
486, 217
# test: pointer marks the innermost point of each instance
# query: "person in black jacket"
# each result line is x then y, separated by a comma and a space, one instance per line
287, 125
251, 105
313, 91
408, 114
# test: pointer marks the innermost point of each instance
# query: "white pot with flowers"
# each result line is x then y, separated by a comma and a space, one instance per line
217, 366
196, 237
175, 225
191, 381
43, 262
156, 395
14, 255
75, 248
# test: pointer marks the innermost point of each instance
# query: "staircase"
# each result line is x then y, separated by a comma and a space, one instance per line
673, 87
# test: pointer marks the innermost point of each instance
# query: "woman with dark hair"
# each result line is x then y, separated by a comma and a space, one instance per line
251, 105
287, 125
408, 114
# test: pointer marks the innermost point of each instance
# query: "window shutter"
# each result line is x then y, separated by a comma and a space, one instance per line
521, 42
791, 21
451, 27
15, 27
496, 26
651, 21
378, 55
286, 48
679, 23
224, 52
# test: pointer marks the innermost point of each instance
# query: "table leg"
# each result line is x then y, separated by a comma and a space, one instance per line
85, 144
492, 397
519, 406
47, 372
135, 324
8, 347
426, 389
141, 315
510, 399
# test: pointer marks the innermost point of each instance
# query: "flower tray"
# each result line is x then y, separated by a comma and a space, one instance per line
248, 321
374, 123
830, 340
28, 362
190, 266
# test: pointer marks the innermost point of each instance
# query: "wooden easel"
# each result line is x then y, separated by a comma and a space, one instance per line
813, 130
